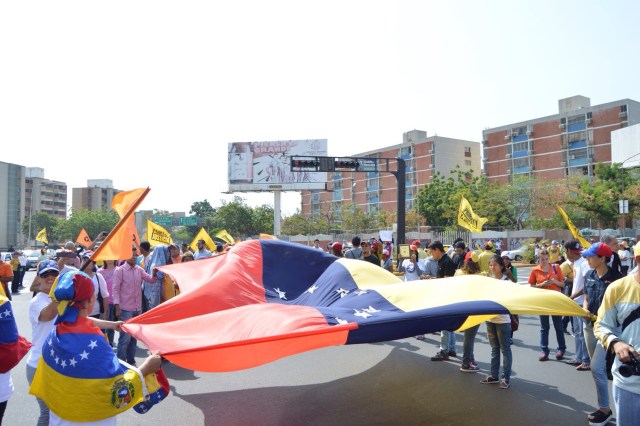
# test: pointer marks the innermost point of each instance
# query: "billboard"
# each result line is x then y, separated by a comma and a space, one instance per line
266, 166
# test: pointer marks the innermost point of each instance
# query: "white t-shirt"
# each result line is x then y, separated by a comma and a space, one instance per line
625, 253
504, 318
39, 329
6, 386
410, 271
580, 269
99, 284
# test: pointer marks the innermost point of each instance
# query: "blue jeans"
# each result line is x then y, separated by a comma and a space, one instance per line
126, 343
43, 418
499, 335
447, 341
598, 365
544, 333
627, 406
467, 345
582, 354
111, 316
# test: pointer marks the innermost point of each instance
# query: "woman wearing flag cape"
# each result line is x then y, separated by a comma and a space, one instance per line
78, 376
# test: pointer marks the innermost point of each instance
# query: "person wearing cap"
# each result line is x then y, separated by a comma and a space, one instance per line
42, 313
614, 262
621, 306
485, 256
74, 297
410, 266
512, 271
387, 262
66, 260
336, 249
625, 257
575, 281
101, 307
548, 276
596, 282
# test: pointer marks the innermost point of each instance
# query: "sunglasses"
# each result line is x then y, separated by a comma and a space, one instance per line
48, 274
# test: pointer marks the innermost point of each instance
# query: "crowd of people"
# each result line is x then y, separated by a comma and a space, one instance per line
603, 279
106, 295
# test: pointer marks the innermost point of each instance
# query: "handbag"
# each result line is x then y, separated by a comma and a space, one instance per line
515, 322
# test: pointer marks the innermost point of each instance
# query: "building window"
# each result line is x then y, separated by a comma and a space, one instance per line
520, 146
467, 151
467, 162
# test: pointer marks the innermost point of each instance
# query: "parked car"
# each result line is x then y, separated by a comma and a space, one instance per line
32, 258
6, 256
517, 254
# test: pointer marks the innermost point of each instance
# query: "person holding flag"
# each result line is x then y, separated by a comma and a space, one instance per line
78, 375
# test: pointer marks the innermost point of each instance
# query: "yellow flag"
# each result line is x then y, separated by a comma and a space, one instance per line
156, 234
42, 236
576, 234
468, 219
83, 238
202, 235
224, 236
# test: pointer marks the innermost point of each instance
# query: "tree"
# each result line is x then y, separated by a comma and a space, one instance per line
262, 219
234, 216
202, 209
32, 225
93, 221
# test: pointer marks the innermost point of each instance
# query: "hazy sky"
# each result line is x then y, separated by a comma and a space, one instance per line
149, 93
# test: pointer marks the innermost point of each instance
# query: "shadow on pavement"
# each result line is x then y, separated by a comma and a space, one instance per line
401, 389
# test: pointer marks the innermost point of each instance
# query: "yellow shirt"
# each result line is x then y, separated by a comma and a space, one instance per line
554, 254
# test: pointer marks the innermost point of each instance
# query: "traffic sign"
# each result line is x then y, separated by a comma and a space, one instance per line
163, 220
189, 221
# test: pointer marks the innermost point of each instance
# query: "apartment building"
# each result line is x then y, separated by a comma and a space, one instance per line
97, 195
571, 142
373, 191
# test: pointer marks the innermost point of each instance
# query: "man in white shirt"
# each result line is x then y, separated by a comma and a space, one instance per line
580, 269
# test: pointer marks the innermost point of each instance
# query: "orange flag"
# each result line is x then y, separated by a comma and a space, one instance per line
124, 236
83, 238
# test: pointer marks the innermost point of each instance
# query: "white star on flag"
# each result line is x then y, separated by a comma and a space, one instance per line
371, 310
93, 344
360, 292
341, 321
281, 294
73, 362
312, 288
57, 360
7, 313
342, 292
84, 355
53, 352
63, 363
362, 314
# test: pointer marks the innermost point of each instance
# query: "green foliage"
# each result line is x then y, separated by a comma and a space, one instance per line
299, 224
202, 209
598, 196
439, 201
38, 221
93, 221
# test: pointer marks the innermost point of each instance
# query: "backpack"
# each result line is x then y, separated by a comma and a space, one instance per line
351, 254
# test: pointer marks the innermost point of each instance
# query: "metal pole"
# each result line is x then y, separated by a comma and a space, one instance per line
276, 213
402, 190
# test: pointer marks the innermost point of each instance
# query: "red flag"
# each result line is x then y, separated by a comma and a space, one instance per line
124, 236
83, 238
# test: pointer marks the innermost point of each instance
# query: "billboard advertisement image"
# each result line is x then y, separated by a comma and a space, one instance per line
266, 166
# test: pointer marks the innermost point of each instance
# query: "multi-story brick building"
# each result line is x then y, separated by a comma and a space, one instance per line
373, 191
570, 142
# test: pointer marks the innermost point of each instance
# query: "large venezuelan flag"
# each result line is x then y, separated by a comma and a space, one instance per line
12, 346
80, 379
267, 299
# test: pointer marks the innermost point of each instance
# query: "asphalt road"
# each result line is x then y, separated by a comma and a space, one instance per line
387, 383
